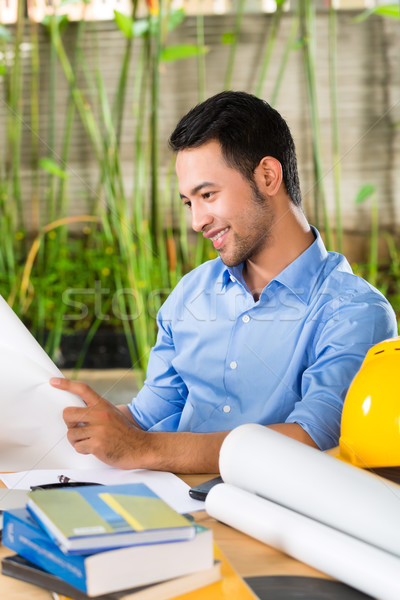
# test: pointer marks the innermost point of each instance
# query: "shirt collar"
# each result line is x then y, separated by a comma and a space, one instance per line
299, 277
232, 274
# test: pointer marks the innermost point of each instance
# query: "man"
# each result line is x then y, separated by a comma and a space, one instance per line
270, 332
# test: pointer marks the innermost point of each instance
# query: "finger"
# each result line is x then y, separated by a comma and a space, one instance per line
78, 434
88, 395
82, 441
101, 413
83, 447
73, 415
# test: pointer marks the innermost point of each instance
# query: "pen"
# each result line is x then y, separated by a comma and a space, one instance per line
65, 479
63, 482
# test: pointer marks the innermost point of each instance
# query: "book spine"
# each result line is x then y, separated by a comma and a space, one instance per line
31, 509
31, 543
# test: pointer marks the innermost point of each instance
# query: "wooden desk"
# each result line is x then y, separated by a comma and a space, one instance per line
248, 556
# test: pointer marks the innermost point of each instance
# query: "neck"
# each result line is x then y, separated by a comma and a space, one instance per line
290, 236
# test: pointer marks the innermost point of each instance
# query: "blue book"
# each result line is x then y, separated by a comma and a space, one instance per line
100, 517
110, 571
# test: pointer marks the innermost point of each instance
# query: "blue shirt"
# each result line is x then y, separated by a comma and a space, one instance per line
222, 359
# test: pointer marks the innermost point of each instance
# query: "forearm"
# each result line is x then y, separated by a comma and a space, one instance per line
182, 452
187, 452
294, 431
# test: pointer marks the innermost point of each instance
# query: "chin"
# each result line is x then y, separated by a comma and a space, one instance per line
231, 262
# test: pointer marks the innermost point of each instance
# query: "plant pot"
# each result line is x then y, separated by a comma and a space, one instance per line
107, 350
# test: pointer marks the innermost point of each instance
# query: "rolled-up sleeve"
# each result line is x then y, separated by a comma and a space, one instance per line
344, 337
159, 404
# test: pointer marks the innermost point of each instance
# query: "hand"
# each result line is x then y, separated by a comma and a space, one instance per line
101, 429
104, 431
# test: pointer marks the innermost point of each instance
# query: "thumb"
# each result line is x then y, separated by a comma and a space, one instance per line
88, 395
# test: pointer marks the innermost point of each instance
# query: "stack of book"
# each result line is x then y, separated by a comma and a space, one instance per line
110, 541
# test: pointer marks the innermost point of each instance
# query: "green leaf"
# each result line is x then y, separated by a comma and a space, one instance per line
141, 27
3, 70
298, 44
5, 34
385, 10
171, 53
49, 165
61, 20
364, 193
175, 18
388, 10
151, 24
125, 24
228, 38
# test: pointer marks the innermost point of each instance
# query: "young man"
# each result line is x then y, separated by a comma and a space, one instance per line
270, 332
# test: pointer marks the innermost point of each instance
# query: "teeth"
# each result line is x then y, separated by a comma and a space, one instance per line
219, 234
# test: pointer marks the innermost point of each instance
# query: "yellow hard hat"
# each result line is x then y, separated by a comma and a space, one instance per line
370, 428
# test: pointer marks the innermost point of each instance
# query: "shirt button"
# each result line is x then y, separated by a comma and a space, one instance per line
232, 278
226, 408
233, 364
245, 318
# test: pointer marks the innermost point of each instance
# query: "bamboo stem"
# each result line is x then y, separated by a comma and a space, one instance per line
15, 114
35, 123
233, 46
271, 39
337, 175
201, 60
307, 15
374, 239
288, 49
155, 94
119, 102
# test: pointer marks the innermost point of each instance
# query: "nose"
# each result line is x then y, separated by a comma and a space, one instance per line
200, 217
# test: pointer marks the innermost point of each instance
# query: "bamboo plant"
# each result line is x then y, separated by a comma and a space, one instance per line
135, 245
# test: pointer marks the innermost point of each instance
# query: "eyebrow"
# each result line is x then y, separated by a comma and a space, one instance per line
197, 188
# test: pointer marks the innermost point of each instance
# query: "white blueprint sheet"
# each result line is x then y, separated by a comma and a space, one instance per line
32, 431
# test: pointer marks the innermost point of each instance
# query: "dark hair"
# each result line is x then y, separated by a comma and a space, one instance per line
247, 128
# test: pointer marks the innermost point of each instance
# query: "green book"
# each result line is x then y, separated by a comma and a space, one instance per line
100, 517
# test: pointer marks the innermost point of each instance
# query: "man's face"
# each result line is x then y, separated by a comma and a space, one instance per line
225, 206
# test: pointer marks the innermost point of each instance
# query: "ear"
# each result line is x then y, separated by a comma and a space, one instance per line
269, 175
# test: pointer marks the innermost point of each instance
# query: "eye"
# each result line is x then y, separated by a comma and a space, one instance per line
187, 203
207, 195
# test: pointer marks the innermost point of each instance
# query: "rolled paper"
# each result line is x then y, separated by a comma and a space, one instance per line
356, 563
312, 483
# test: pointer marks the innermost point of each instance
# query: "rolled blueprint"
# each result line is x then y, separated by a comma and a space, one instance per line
342, 556
314, 484
32, 430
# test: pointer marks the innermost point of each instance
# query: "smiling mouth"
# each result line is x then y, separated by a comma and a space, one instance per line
219, 234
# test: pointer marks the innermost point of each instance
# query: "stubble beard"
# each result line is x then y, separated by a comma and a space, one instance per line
245, 248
